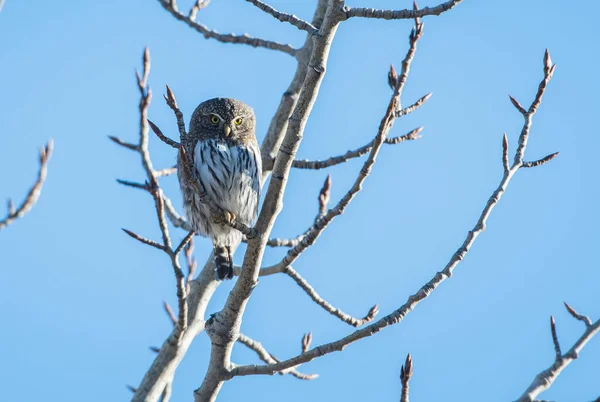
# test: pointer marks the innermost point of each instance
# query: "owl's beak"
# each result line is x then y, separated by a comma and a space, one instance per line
227, 130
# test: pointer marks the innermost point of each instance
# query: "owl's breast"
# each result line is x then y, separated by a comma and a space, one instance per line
230, 175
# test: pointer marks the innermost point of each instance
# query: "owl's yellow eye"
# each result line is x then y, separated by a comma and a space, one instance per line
238, 121
214, 119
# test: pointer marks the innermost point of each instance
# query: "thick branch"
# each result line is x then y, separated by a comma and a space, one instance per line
225, 38
279, 122
34, 193
224, 326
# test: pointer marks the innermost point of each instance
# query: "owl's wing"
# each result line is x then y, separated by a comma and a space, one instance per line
210, 172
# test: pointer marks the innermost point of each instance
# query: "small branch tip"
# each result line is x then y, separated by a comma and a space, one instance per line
170, 312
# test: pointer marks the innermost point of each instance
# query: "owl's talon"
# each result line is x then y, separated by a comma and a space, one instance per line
224, 217
229, 217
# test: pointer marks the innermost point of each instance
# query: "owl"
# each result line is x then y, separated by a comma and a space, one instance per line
226, 158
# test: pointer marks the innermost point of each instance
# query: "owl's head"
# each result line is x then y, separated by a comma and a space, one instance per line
223, 118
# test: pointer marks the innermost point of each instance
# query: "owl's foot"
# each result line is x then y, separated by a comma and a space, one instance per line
225, 217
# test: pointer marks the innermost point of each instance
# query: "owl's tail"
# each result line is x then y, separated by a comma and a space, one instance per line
223, 262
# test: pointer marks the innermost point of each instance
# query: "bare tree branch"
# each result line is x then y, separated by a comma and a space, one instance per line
166, 394
152, 186
166, 171
312, 293
163, 137
540, 162
284, 17
583, 318
208, 33
34, 193
555, 337
170, 313
144, 240
324, 197
405, 373
277, 242
223, 327
400, 14
172, 103
289, 100
517, 105
548, 72
315, 231
505, 162
199, 5
365, 149
201, 290
399, 314
122, 143
269, 358
546, 378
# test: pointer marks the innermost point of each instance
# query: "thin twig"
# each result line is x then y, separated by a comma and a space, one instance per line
141, 186
166, 171
324, 197
555, 338
306, 341
505, 162
122, 143
184, 242
153, 187
163, 137
540, 162
546, 378
336, 312
405, 373
517, 105
399, 14
172, 103
548, 72
413, 107
199, 5
365, 149
583, 318
170, 312
34, 193
144, 240
191, 262
284, 17
269, 358
226, 38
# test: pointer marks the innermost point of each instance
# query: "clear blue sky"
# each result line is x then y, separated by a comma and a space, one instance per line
81, 302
